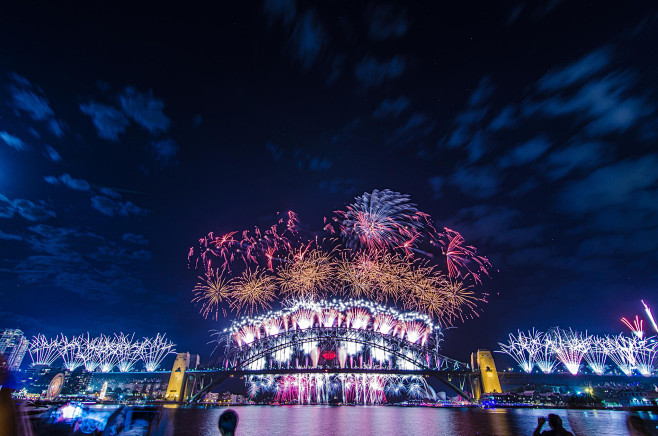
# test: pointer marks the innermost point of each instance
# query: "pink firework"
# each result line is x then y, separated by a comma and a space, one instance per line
252, 247
357, 318
637, 327
384, 323
381, 220
463, 260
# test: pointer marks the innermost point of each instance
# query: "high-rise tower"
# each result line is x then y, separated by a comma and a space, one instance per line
13, 345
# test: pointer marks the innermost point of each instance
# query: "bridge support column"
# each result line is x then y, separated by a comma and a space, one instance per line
485, 376
176, 386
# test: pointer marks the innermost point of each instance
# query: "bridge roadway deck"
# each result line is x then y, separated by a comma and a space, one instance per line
420, 372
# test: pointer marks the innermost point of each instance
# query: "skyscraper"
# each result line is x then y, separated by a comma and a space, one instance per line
13, 346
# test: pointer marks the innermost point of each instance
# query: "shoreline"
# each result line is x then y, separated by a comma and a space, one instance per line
431, 406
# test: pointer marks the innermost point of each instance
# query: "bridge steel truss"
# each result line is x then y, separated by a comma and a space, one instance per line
403, 357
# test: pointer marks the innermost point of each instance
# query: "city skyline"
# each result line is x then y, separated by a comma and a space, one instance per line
528, 129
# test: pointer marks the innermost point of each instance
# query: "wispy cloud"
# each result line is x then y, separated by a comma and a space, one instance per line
576, 156
110, 207
146, 110
373, 72
135, 238
52, 154
629, 182
393, 108
69, 182
582, 69
386, 21
480, 182
84, 263
30, 99
13, 141
527, 152
165, 150
280, 10
31, 211
308, 39
468, 131
109, 121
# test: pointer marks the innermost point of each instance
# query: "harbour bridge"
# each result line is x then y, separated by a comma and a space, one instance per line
336, 353
349, 352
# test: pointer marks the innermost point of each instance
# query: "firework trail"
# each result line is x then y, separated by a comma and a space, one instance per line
127, 350
463, 260
637, 328
647, 309
89, 352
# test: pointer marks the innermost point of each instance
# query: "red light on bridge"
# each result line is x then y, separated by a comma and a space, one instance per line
329, 355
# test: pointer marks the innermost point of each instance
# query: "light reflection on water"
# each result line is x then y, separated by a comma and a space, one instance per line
380, 421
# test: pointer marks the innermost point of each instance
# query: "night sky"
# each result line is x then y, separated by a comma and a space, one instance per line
126, 133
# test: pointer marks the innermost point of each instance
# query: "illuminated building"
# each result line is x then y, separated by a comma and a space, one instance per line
13, 345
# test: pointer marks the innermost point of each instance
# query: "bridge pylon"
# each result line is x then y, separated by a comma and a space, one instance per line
485, 376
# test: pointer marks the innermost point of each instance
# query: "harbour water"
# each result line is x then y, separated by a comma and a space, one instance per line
381, 420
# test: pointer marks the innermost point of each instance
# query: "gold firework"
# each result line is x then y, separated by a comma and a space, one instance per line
211, 291
461, 300
253, 290
308, 275
360, 277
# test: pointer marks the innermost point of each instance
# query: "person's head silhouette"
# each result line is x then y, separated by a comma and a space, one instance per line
228, 421
554, 421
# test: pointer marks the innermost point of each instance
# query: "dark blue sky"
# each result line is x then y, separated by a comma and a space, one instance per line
128, 132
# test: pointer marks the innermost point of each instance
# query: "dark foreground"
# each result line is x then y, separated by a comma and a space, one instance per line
379, 421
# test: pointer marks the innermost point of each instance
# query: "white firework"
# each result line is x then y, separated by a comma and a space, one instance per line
70, 352
546, 360
154, 350
107, 353
570, 347
128, 351
523, 348
645, 357
89, 351
43, 351
596, 355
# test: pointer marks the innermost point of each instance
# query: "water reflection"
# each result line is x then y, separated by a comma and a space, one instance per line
381, 420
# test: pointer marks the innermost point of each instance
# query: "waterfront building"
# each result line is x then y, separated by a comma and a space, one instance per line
13, 346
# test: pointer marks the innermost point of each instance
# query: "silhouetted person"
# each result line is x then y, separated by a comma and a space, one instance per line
636, 426
8, 421
228, 421
555, 422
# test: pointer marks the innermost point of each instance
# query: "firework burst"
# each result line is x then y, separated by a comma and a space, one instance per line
463, 260
382, 231
309, 275
381, 220
211, 291
253, 290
